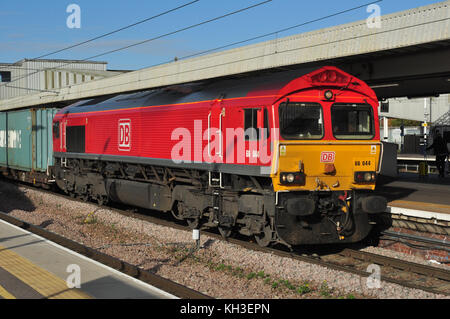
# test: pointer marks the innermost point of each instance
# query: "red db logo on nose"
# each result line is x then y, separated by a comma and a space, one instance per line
327, 157
124, 135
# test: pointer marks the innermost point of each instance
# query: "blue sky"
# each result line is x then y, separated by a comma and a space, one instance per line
33, 28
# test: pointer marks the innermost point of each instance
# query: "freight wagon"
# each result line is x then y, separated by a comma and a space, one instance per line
26, 145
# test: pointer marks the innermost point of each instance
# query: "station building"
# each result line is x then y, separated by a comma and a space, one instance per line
31, 76
434, 111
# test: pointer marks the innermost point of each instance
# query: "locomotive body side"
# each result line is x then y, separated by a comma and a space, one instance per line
167, 134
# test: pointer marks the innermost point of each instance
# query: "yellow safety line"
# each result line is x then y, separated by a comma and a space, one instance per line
45, 283
5, 294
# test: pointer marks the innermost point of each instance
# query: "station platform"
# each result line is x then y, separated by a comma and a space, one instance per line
409, 194
415, 157
32, 267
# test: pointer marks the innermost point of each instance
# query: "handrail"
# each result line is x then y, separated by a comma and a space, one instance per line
209, 134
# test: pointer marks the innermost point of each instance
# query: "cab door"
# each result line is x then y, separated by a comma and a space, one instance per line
216, 149
258, 148
251, 134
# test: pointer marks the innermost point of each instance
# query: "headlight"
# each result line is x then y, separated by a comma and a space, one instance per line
328, 95
365, 177
297, 178
368, 177
290, 178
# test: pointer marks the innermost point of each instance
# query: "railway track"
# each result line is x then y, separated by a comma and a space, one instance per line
392, 270
401, 272
425, 242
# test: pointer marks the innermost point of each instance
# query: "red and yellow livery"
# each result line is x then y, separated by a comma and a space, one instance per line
289, 158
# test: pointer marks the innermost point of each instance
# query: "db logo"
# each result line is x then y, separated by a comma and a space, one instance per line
327, 157
124, 135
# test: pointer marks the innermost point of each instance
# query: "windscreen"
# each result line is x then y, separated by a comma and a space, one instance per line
301, 121
352, 121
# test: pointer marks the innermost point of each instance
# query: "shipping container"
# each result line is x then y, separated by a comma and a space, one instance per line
26, 139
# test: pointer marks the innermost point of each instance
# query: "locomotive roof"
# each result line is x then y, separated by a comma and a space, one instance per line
191, 92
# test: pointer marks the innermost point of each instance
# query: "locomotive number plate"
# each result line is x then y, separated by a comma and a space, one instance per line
327, 157
364, 162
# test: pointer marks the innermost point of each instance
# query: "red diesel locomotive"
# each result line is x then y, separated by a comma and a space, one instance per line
289, 158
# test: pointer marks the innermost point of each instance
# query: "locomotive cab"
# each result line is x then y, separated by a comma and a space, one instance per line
327, 160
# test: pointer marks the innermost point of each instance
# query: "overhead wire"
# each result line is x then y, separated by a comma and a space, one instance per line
277, 52
238, 42
151, 39
246, 40
275, 32
180, 30
278, 31
31, 89
114, 31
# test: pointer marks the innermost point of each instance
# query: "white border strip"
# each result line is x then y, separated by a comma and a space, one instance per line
128, 278
418, 213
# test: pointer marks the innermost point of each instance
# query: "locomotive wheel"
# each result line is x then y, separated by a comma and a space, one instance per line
176, 214
264, 238
225, 231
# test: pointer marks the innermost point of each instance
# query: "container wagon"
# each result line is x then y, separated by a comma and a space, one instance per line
26, 146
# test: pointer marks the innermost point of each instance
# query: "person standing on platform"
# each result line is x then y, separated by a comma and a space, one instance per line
446, 136
440, 150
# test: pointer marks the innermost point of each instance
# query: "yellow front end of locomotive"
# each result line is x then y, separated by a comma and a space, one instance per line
326, 165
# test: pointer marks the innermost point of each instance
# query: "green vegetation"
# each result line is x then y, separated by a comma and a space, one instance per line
221, 267
304, 289
261, 274
324, 289
251, 275
90, 218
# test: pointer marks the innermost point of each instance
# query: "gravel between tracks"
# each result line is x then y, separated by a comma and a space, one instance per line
220, 269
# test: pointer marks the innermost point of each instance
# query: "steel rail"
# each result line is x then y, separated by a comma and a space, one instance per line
435, 272
437, 243
329, 261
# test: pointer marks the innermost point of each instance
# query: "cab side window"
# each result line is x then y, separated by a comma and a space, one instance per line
266, 131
